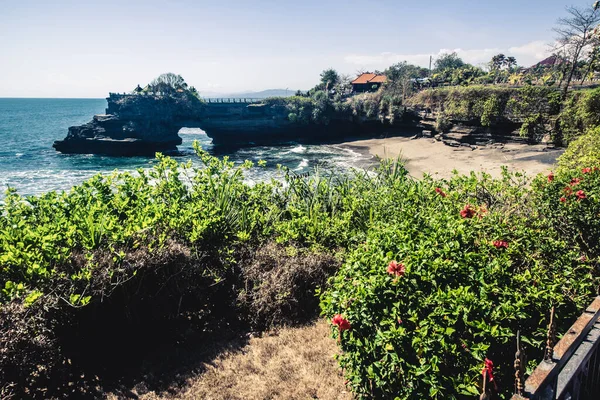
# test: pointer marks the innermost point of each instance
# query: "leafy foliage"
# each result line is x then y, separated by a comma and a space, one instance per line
463, 294
178, 243
582, 152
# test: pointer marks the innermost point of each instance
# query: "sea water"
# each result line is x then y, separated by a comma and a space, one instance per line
28, 163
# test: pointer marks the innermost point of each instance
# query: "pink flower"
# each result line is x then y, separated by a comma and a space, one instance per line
575, 181
440, 192
395, 268
399, 321
586, 170
563, 199
499, 244
341, 322
583, 258
580, 195
550, 177
467, 212
568, 190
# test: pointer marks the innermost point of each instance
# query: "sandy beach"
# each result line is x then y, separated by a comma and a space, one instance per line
426, 155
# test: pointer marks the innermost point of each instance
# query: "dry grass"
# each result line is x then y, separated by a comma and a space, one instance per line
294, 363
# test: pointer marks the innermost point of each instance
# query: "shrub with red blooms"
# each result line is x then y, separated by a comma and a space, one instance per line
451, 322
468, 211
342, 323
500, 244
577, 220
440, 192
396, 269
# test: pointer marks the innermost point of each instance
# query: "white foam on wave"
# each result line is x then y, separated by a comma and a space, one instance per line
303, 164
19, 155
298, 150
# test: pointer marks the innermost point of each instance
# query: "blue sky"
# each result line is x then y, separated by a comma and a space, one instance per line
86, 48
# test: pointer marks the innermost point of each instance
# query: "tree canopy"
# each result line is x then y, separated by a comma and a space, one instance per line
168, 83
329, 78
448, 61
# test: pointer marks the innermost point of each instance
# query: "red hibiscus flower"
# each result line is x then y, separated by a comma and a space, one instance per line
575, 181
563, 199
580, 195
500, 244
395, 268
568, 190
586, 170
550, 177
440, 192
342, 323
488, 371
467, 212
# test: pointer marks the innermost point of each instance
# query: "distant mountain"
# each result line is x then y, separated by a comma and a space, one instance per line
254, 95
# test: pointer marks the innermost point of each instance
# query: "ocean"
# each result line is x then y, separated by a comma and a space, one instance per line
28, 163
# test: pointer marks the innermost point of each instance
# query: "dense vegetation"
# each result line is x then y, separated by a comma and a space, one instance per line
454, 271
435, 275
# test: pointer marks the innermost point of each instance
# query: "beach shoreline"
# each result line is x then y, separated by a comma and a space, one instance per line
429, 156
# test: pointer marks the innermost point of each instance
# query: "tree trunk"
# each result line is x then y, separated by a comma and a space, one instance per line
589, 68
571, 72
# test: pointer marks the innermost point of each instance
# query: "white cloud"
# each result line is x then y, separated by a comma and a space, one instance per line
526, 55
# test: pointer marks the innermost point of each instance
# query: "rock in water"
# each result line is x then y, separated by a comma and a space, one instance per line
132, 125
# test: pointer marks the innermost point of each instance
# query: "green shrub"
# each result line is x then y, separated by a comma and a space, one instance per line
580, 113
442, 124
469, 285
582, 152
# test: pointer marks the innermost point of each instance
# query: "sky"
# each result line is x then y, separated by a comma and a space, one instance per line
87, 48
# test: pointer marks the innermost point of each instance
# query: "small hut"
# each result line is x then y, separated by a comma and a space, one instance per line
368, 82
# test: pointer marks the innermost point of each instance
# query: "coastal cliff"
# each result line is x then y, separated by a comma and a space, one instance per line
142, 124
132, 125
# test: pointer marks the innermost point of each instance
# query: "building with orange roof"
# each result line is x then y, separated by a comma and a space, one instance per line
368, 82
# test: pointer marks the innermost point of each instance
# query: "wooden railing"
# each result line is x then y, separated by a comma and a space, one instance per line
570, 369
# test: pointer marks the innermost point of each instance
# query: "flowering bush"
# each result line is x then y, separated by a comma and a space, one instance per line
424, 328
571, 203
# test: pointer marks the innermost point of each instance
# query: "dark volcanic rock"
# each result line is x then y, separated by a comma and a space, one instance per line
133, 125
145, 124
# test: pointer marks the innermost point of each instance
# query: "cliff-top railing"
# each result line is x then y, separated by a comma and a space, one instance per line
571, 368
212, 100
232, 100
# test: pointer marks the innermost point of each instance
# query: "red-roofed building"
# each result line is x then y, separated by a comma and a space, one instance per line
368, 82
551, 61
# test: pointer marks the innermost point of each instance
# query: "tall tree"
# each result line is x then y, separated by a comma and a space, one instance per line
497, 62
168, 83
329, 78
574, 36
448, 61
510, 62
402, 77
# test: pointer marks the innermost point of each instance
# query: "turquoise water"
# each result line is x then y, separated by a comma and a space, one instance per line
28, 127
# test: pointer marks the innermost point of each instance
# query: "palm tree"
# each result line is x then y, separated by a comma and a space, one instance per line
510, 62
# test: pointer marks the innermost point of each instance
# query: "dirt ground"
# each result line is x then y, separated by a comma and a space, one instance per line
293, 363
